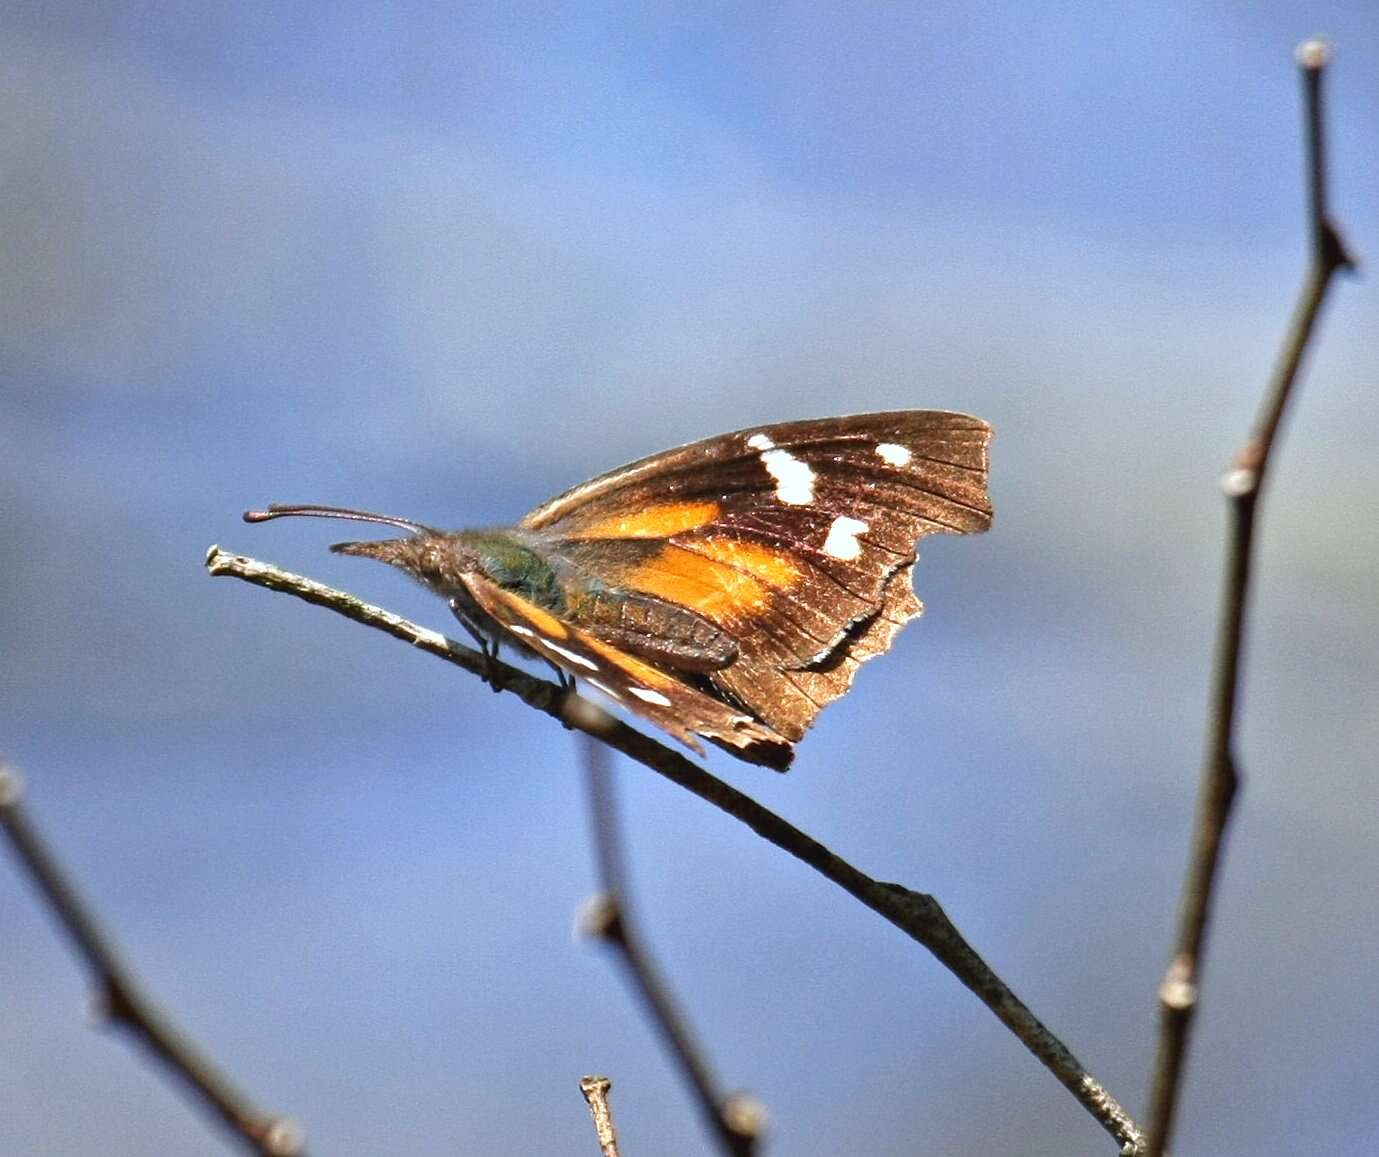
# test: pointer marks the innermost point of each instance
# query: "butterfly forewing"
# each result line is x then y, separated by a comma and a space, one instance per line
797, 539
929, 441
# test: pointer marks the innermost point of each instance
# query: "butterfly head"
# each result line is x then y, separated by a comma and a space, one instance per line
428, 557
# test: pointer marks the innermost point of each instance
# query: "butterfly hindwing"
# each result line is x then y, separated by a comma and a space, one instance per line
795, 539
667, 701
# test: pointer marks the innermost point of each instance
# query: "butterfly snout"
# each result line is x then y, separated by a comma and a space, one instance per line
389, 550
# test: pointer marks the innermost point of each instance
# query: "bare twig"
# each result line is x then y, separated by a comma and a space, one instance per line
734, 1120
595, 1090
1178, 992
918, 915
121, 1000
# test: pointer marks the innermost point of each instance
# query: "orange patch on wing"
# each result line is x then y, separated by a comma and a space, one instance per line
653, 522
543, 621
717, 590
770, 566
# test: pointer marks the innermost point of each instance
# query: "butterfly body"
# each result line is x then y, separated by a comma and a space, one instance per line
729, 588
541, 574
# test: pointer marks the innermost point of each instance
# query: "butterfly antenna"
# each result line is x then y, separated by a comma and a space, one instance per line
279, 510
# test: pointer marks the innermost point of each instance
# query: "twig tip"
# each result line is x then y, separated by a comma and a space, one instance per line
284, 1137
745, 1115
594, 1085
595, 1090
1314, 53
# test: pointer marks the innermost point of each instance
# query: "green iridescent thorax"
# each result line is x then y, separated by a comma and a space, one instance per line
513, 561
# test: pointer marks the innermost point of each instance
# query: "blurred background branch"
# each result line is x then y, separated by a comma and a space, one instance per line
736, 1118
1181, 987
121, 1002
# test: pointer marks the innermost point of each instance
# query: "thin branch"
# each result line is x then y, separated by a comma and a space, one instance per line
121, 1000
595, 1090
1179, 990
735, 1120
918, 915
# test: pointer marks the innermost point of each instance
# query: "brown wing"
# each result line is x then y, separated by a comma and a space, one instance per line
797, 539
938, 438
670, 703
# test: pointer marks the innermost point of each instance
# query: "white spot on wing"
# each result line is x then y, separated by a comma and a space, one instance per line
519, 629
572, 656
842, 542
760, 442
646, 695
794, 479
597, 686
894, 453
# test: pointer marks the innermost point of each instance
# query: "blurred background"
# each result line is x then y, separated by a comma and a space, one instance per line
445, 262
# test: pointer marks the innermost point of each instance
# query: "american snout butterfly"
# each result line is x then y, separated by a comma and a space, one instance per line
729, 588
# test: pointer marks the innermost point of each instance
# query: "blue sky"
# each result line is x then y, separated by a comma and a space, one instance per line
445, 264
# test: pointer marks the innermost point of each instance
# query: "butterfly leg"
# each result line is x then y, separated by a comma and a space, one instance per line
488, 647
565, 680
489, 643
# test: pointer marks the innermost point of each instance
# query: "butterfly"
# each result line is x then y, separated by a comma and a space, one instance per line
727, 589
